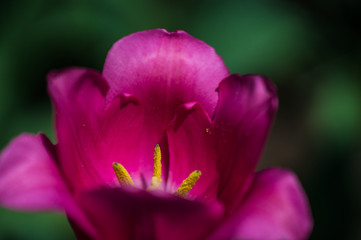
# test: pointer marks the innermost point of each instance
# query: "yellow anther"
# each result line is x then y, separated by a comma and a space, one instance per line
188, 183
122, 175
157, 171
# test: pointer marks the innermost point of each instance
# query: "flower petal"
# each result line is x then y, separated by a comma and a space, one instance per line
192, 147
28, 176
29, 179
164, 70
77, 91
275, 208
118, 140
90, 137
246, 107
137, 214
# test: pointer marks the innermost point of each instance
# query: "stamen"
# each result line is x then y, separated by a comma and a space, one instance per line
188, 183
125, 180
157, 170
122, 175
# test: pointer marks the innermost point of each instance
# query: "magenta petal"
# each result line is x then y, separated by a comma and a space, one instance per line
246, 107
29, 179
137, 214
118, 140
78, 97
275, 208
77, 90
162, 68
192, 147
90, 137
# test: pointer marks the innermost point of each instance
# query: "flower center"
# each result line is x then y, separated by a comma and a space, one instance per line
126, 180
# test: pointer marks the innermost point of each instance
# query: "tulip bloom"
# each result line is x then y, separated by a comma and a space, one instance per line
163, 144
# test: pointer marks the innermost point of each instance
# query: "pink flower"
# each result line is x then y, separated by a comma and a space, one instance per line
157, 88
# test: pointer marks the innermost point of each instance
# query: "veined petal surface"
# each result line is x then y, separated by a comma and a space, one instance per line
244, 114
276, 207
30, 180
192, 147
163, 70
90, 136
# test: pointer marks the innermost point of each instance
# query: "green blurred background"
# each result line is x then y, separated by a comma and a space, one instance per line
310, 49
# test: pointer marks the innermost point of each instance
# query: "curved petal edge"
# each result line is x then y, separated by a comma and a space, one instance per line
30, 180
276, 207
169, 68
244, 114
